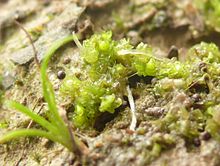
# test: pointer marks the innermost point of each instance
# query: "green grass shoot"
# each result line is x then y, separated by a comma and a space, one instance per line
55, 129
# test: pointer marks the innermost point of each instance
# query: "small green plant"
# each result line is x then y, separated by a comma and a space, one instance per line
107, 65
101, 88
56, 128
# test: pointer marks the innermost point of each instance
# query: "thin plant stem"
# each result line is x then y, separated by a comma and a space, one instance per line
133, 110
76, 40
31, 41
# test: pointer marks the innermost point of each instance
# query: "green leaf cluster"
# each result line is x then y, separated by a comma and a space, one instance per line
101, 89
107, 64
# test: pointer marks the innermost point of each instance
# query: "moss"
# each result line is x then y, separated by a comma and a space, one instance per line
182, 122
107, 64
3, 124
203, 62
102, 88
212, 123
206, 52
211, 11
158, 143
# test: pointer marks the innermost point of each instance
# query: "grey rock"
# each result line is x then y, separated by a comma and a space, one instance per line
8, 80
57, 29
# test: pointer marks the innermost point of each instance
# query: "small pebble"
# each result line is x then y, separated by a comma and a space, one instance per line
66, 61
141, 131
206, 136
173, 52
136, 96
61, 74
155, 111
130, 132
154, 81
197, 142
196, 97
99, 144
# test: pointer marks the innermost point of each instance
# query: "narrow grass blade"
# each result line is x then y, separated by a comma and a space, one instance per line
47, 86
27, 132
37, 118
